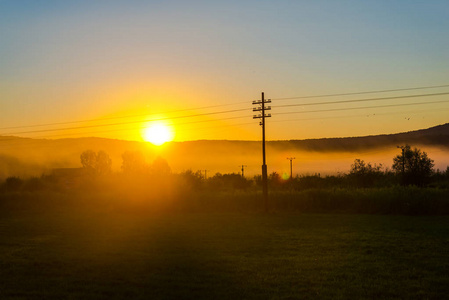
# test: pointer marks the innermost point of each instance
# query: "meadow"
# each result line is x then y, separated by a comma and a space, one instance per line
75, 246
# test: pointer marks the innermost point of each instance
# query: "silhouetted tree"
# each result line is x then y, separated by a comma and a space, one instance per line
191, 179
275, 179
414, 166
13, 183
103, 163
311, 182
160, 166
364, 174
133, 162
229, 181
88, 160
96, 163
258, 180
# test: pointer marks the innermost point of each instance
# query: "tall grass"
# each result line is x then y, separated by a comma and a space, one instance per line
394, 200
167, 194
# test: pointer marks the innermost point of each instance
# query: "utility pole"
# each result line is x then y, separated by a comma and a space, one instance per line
291, 166
205, 174
243, 170
262, 116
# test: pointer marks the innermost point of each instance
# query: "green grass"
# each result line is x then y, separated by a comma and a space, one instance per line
86, 253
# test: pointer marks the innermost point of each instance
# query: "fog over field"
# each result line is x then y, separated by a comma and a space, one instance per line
33, 157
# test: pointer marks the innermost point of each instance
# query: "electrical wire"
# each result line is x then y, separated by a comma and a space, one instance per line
362, 100
223, 105
123, 117
143, 127
355, 116
361, 107
131, 122
240, 117
219, 112
363, 92
240, 110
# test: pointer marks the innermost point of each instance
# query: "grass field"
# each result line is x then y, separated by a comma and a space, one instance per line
69, 253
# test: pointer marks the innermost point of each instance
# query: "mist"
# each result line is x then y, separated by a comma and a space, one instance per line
31, 157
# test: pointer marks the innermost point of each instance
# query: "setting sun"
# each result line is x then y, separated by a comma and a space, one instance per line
158, 134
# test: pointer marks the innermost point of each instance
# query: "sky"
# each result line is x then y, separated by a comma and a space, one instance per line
109, 68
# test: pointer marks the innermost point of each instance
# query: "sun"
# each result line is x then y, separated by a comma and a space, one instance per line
158, 133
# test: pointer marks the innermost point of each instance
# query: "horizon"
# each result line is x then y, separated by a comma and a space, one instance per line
231, 140
33, 157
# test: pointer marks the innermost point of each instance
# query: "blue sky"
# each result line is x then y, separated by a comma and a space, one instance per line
73, 60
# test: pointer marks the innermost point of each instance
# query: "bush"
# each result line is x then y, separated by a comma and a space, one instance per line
13, 184
33, 184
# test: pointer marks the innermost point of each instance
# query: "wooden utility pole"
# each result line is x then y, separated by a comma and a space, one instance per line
291, 166
262, 116
205, 174
243, 170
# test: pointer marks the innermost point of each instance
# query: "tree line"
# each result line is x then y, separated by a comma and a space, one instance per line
410, 167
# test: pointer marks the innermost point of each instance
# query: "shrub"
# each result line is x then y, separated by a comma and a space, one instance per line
13, 183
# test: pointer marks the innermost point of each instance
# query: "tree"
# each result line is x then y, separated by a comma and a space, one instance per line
275, 179
192, 179
13, 183
103, 163
160, 166
88, 160
96, 163
133, 162
414, 166
365, 174
228, 181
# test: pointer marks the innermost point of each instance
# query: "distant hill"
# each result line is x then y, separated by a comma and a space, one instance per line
434, 136
26, 156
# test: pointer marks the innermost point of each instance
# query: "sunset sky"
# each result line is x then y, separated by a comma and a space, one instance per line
107, 68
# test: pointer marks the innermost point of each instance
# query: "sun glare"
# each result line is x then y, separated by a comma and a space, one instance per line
158, 134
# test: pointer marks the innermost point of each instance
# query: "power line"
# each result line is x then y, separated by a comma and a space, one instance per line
361, 107
358, 116
363, 92
131, 122
238, 110
362, 100
228, 104
143, 127
121, 117
221, 112
238, 117
18, 141
237, 124
134, 128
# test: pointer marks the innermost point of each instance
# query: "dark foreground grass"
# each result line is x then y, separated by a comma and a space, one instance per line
91, 254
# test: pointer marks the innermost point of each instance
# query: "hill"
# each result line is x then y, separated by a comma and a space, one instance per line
434, 136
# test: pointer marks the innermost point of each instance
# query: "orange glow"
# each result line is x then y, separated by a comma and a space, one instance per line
158, 133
